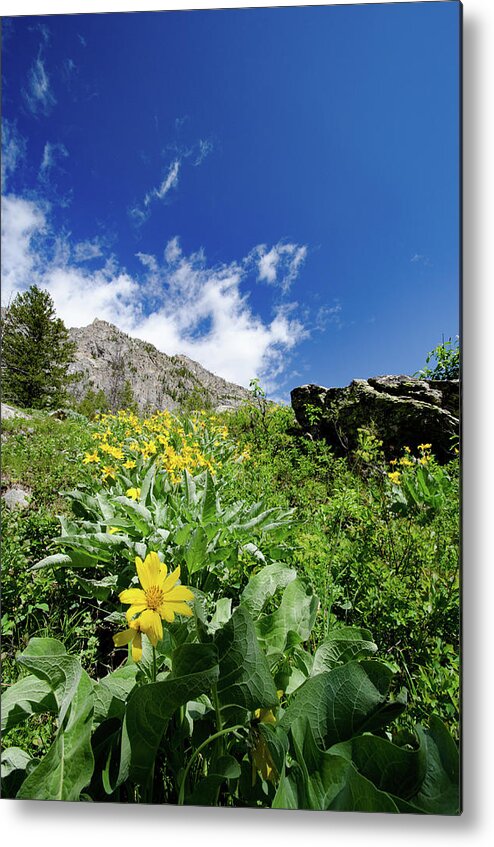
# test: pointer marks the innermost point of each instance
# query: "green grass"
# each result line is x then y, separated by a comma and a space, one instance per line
395, 574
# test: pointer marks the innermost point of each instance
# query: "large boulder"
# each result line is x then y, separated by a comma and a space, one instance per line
402, 410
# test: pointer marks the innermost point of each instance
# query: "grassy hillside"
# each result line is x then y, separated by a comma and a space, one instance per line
325, 567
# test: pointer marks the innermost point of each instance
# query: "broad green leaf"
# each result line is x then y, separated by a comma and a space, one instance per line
396, 770
100, 589
147, 482
264, 585
46, 658
340, 703
209, 501
205, 793
292, 621
16, 764
67, 767
112, 692
222, 614
28, 696
440, 789
342, 645
195, 550
245, 679
321, 781
139, 514
195, 671
57, 560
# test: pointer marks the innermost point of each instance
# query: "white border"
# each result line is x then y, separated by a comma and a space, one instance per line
40, 823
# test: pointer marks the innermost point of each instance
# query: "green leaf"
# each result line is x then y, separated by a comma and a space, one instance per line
264, 585
139, 514
47, 659
195, 551
342, 645
340, 703
292, 621
195, 671
16, 764
440, 789
321, 780
209, 504
245, 679
112, 692
67, 767
29, 696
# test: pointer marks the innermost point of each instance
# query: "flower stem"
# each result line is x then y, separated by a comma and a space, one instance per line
154, 665
195, 754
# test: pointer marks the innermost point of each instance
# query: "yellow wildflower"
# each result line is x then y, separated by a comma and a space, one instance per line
424, 460
406, 449
425, 446
129, 464
132, 634
406, 462
112, 530
133, 493
109, 472
395, 477
393, 461
160, 598
91, 457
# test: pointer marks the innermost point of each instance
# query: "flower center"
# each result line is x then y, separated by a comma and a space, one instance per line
154, 597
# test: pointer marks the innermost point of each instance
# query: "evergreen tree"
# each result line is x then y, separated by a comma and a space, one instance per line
36, 352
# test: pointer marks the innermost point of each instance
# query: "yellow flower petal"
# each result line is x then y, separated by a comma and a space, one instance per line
179, 593
149, 571
150, 624
137, 647
178, 608
136, 609
124, 637
171, 580
133, 595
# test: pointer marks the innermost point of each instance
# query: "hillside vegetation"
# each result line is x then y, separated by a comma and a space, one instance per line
214, 609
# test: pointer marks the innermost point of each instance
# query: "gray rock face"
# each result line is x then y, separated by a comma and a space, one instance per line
16, 498
8, 412
404, 410
107, 358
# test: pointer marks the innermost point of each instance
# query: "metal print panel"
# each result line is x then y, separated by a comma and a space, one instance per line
230, 373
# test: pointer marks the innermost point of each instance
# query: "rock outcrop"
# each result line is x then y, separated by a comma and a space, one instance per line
403, 410
107, 359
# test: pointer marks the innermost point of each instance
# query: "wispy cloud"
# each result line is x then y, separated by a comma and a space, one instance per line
420, 259
329, 315
86, 251
280, 264
179, 302
170, 181
53, 153
195, 154
13, 151
38, 95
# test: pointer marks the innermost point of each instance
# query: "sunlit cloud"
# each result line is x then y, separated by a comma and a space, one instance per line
179, 302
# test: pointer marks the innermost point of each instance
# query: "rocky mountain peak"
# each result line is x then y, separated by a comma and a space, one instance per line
110, 360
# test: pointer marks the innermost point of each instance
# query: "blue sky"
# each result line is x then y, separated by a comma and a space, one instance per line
273, 192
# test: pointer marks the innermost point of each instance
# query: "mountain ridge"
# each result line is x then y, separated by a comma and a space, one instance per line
110, 360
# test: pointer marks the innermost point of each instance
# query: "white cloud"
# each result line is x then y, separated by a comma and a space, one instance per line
329, 315
179, 304
52, 153
38, 95
13, 151
170, 181
281, 264
85, 251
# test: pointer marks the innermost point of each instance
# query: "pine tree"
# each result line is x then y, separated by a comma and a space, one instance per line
36, 352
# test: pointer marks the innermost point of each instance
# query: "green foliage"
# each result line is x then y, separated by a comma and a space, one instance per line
93, 403
445, 359
213, 695
36, 352
274, 692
